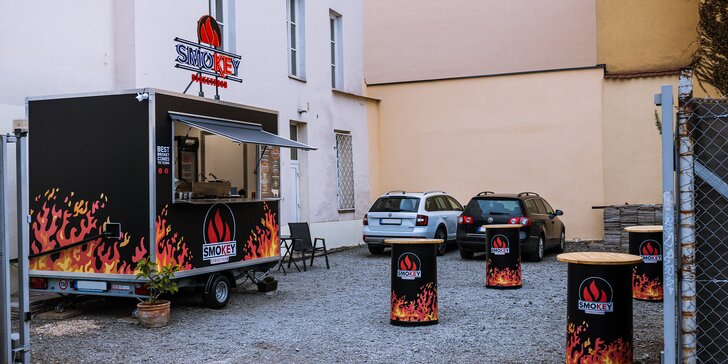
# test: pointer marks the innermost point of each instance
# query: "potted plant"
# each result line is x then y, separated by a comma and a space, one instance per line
155, 312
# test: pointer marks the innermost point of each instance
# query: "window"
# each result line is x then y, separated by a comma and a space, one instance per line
531, 206
431, 205
222, 11
483, 207
344, 171
454, 204
294, 136
295, 31
336, 47
540, 206
396, 204
548, 207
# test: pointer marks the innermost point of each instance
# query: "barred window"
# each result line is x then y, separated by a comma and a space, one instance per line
344, 171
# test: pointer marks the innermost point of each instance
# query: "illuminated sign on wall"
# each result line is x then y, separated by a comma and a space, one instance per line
206, 57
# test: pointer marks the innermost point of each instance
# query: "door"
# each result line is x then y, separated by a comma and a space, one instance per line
295, 192
546, 222
454, 210
553, 225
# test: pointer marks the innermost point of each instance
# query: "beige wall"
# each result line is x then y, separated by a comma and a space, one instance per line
406, 40
632, 144
538, 132
646, 35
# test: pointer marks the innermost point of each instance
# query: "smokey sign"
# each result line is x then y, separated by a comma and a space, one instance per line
219, 252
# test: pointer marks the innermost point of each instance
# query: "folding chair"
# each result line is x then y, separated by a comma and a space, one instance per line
301, 236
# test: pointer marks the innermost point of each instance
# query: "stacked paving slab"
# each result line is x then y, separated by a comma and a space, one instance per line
618, 217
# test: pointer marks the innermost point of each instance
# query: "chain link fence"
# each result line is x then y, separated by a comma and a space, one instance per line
707, 129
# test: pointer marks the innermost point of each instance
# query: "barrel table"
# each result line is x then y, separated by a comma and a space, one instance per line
503, 256
414, 281
646, 241
599, 307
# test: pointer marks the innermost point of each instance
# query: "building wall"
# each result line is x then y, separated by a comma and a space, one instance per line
414, 40
536, 132
632, 144
87, 45
645, 35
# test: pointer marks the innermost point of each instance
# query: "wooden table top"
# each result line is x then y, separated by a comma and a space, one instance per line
644, 229
599, 258
413, 241
502, 226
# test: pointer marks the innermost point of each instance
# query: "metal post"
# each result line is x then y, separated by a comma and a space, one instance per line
686, 230
23, 244
5, 328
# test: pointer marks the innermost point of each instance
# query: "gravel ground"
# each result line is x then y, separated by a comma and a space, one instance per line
342, 315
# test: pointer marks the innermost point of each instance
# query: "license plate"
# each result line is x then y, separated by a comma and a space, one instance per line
391, 221
481, 229
91, 286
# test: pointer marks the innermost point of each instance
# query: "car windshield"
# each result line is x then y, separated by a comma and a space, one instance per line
396, 204
484, 207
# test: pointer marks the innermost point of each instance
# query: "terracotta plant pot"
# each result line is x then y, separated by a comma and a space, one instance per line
155, 314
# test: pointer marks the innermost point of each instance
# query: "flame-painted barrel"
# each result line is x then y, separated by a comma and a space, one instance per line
646, 241
503, 256
414, 281
599, 307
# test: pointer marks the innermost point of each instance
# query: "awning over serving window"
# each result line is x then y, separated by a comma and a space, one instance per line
237, 131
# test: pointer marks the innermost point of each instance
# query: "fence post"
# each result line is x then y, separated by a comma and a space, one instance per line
665, 100
686, 230
5, 329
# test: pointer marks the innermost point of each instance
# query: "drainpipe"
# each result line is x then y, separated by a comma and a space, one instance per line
686, 231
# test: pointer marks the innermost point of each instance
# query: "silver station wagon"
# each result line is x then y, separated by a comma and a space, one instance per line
400, 214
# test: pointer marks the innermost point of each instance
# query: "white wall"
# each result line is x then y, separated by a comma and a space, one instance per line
99, 45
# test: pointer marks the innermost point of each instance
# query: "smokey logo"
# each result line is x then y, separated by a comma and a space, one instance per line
650, 251
595, 296
218, 232
500, 245
408, 266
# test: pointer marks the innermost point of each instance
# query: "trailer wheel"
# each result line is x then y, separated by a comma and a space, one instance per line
217, 293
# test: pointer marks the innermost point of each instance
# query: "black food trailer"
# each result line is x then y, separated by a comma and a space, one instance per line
120, 176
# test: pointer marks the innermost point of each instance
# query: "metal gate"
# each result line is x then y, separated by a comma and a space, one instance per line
703, 226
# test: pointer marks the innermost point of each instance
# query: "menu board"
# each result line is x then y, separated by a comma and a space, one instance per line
270, 173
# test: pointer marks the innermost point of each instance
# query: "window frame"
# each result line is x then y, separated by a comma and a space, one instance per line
227, 24
340, 197
295, 46
336, 50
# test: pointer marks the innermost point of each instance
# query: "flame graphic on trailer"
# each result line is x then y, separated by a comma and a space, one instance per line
264, 241
171, 246
409, 266
60, 222
219, 234
581, 349
595, 296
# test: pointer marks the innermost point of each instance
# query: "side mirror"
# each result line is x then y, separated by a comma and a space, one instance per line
559, 212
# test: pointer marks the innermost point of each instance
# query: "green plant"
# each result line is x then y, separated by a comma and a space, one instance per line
711, 57
658, 122
158, 282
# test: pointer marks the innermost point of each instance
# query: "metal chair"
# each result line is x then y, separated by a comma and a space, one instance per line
301, 236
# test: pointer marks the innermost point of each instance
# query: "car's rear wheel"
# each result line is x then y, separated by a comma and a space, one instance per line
442, 235
466, 254
537, 255
376, 249
562, 242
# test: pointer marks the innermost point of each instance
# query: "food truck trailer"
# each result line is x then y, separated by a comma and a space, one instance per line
120, 176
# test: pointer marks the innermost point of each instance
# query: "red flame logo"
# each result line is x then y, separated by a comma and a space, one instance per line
499, 243
208, 31
649, 249
592, 293
217, 229
407, 264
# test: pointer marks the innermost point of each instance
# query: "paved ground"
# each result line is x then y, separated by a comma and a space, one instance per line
342, 315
